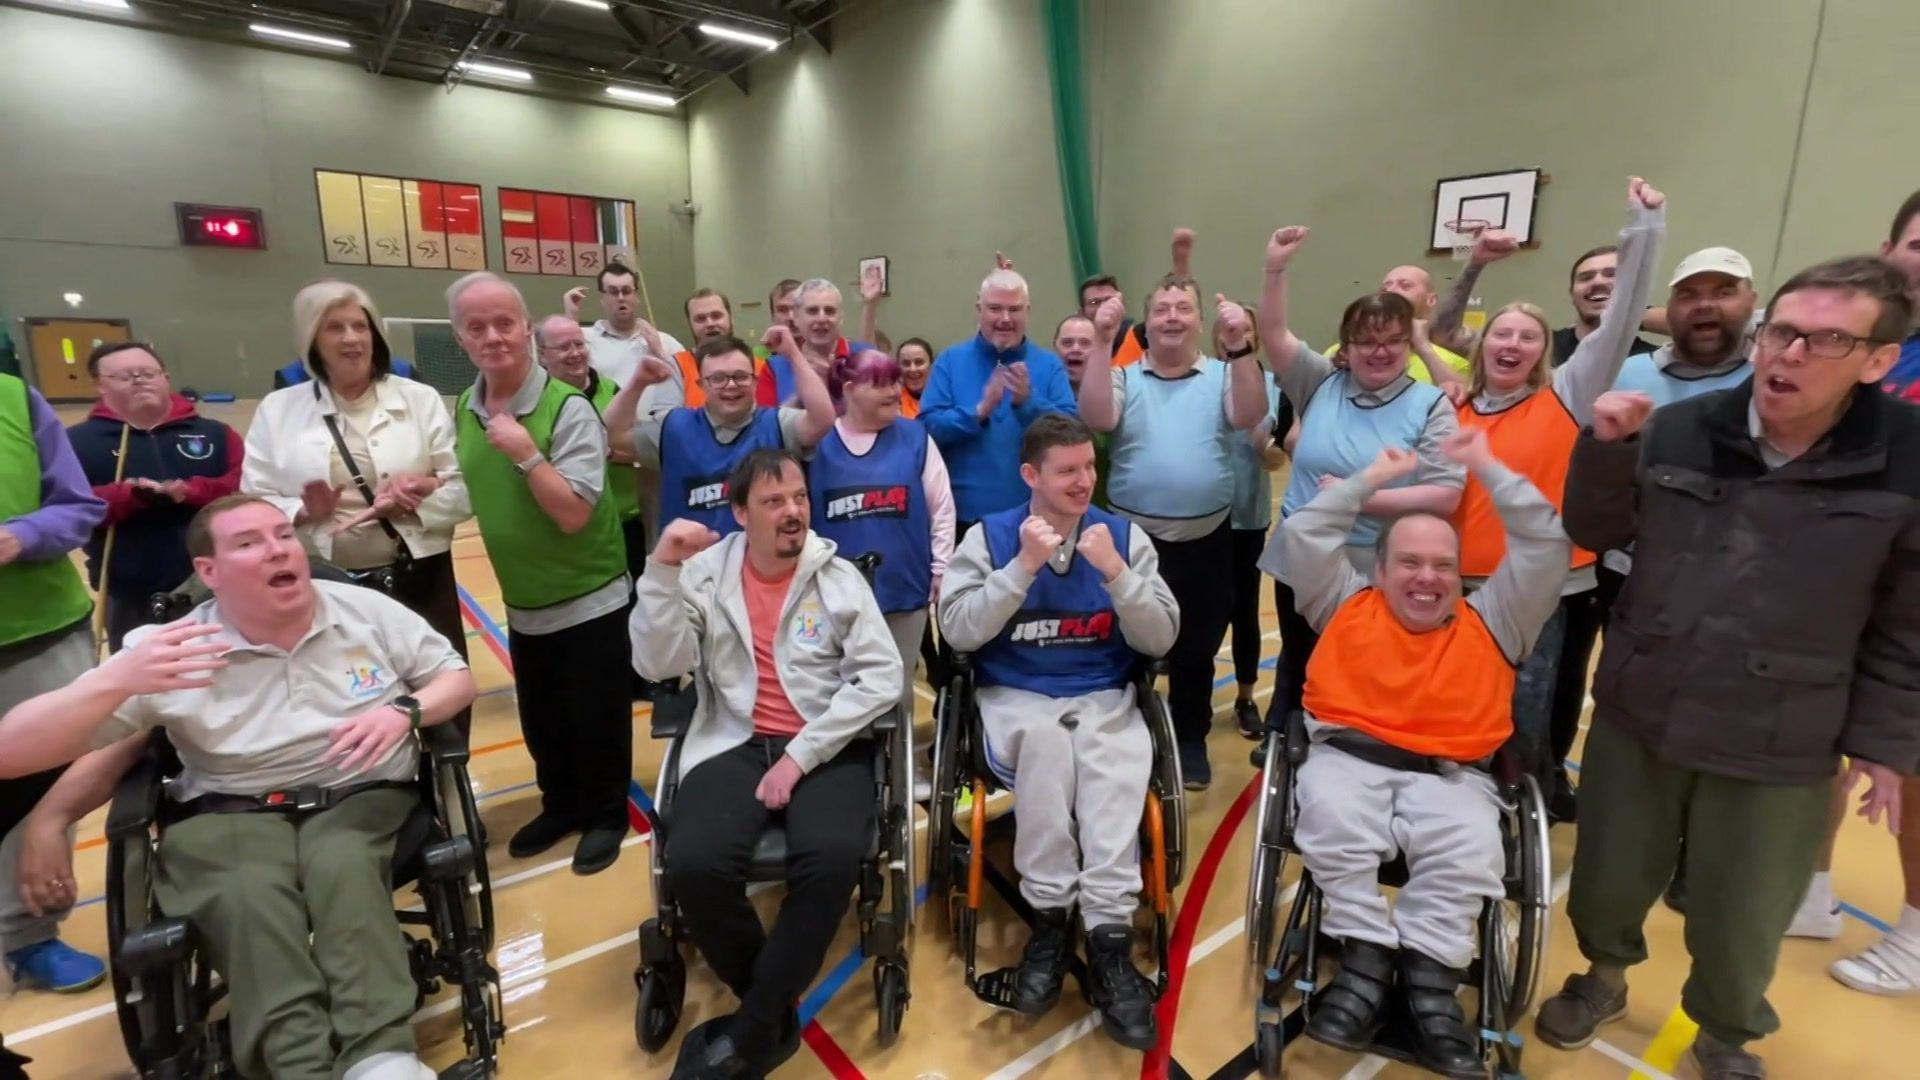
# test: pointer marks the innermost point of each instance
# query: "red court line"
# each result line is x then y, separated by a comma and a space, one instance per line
830, 1054
499, 649
1154, 1066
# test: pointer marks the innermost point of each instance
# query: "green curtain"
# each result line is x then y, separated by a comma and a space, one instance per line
1066, 71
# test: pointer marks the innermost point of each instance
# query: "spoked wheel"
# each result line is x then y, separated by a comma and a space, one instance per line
1525, 915
1269, 862
941, 850
662, 992
890, 997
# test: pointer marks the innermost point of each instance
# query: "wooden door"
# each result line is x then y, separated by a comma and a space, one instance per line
57, 350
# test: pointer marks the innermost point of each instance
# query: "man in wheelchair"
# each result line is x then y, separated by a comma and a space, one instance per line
292, 704
1408, 696
793, 662
1058, 600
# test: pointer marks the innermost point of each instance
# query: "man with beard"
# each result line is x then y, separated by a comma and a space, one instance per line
1772, 624
534, 455
817, 341
1590, 286
793, 662
1709, 311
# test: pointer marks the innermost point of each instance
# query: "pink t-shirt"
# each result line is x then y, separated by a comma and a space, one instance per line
773, 714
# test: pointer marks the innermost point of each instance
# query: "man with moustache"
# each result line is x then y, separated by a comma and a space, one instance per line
534, 455
984, 392
793, 661
1771, 624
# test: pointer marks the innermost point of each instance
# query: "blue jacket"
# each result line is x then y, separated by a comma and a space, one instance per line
296, 373
984, 460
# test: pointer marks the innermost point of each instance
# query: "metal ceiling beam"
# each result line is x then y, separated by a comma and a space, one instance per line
390, 35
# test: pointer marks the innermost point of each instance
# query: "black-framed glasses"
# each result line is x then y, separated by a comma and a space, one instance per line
146, 375
1825, 344
720, 380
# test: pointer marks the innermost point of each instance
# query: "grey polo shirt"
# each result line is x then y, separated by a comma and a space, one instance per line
579, 453
263, 723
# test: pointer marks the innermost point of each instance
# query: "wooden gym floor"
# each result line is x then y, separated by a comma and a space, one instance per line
567, 952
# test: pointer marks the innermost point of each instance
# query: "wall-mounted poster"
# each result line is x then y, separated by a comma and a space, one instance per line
370, 220
544, 232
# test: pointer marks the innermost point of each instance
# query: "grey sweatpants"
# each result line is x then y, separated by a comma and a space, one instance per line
1086, 762
907, 626
1355, 815
27, 673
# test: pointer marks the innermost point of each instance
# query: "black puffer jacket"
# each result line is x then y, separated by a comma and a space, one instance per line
1772, 619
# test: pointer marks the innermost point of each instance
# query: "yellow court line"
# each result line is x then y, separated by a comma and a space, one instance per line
1672, 1041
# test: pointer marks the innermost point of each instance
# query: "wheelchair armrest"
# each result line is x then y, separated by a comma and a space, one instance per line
442, 745
887, 722
1156, 667
136, 798
961, 663
1296, 737
673, 709
867, 564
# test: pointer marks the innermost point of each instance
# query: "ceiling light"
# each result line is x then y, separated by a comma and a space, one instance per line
741, 36
641, 97
113, 5
495, 71
597, 5
281, 33
73, 299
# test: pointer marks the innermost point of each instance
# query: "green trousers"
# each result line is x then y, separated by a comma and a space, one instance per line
298, 914
1750, 849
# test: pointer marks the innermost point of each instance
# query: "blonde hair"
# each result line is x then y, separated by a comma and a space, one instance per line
1541, 372
310, 307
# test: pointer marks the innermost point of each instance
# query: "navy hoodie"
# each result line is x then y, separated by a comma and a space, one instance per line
150, 549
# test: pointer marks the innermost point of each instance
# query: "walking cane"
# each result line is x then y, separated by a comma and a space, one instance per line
100, 642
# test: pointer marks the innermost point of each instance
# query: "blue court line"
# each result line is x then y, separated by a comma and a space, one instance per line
817, 999
486, 619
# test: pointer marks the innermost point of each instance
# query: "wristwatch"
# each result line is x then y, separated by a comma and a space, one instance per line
525, 468
1243, 353
410, 705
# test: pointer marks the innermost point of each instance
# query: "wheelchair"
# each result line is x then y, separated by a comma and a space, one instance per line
957, 870
1512, 947
884, 905
166, 993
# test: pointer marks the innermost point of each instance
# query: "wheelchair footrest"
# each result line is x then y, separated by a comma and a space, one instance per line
996, 987
883, 939
156, 945
449, 860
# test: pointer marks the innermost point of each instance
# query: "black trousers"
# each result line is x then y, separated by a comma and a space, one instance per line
1297, 639
577, 716
1247, 545
1586, 613
1191, 569
713, 825
429, 591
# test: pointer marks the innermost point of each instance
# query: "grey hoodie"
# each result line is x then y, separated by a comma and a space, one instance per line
838, 663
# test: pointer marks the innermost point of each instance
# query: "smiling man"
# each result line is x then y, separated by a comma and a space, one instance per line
1408, 695
1771, 624
1589, 286
1709, 311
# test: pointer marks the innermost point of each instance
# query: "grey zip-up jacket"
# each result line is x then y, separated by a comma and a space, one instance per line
837, 660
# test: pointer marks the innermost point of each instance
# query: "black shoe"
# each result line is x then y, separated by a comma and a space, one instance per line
709, 1053
1441, 1041
1252, 724
1043, 967
1123, 995
536, 836
1563, 804
1346, 1014
1196, 772
1258, 758
598, 849
765, 1050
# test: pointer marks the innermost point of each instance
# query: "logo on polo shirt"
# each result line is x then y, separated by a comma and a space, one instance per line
365, 679
702, 495
1047, 629
854, 503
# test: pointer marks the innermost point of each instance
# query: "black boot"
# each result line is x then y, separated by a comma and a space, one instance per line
1347, 1013
1043, 967
1123, 995
1441, 1041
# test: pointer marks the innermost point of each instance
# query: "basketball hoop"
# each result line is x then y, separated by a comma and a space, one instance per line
1464, 232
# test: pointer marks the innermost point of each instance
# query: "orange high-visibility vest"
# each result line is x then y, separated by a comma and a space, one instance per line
1535, 439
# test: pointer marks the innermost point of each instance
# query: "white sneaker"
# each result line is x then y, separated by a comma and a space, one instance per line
1816, 918
1891, 966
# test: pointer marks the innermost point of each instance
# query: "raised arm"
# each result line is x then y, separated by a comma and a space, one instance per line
1603, 495
667, 623
1097, 405
1437, 479
1246, 379
1596, 361
624, 408
1446, 327
1522, 593
870, 300
809, 387
1281, 344
1313, 539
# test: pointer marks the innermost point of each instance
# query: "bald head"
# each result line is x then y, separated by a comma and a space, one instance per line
553, 329
1417, 570
562, 347
1415, 284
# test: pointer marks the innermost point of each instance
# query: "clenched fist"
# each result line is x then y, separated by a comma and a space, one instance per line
509, 437
681, 540
1038, 542
1236, 326
1096, 546
1619, 415
779, 339
1281, 246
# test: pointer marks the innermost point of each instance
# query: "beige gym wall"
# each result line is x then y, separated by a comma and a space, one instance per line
927, 135
104, 127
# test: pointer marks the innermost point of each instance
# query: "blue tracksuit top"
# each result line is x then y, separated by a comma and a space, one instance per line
984, 460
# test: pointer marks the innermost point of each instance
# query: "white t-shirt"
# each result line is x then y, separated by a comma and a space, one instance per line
263, 722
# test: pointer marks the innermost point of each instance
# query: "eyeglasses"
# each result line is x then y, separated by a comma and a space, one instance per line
724, 379
1825, 344
1399, 345
151, 375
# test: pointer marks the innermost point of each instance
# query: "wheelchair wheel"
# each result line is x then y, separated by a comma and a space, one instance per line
1529, 898
890, 995
1269, 857
663, 991
942, 853
1269, 1042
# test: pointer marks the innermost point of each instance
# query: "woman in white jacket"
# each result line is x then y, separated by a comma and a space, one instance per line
362, 459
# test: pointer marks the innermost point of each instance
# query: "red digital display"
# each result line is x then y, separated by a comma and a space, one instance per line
220, 226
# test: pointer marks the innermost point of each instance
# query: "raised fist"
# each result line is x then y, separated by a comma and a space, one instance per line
1096, 545
1492, 246
1641, 193
652, 371
1236, 326
1620, 414
1038, 542
779, 339
1282, 245
682, 539
1183, 252
1108, 317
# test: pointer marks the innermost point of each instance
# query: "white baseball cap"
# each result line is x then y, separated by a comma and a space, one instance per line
1713, 260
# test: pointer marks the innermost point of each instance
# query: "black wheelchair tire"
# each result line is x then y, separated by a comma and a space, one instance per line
657, 1012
